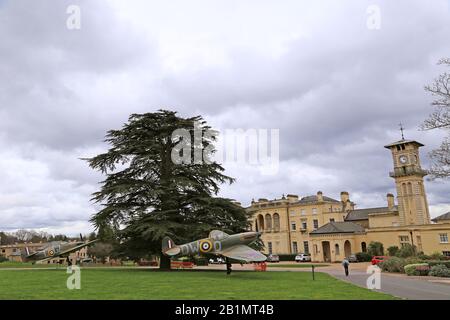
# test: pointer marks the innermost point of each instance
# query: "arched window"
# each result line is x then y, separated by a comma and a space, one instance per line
363, 247
268, 222
276, 222
336, 249
404, 189
260, 223
410, 190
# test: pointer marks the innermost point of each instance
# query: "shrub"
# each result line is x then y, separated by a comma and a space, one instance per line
3, 259
375, 249
406, 251
363, 257
418, 269
437, 256
287, 257
413, 260
440, 270
423, 256
392, 250
393, 264
437, 262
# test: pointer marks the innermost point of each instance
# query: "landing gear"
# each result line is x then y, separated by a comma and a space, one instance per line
228, 266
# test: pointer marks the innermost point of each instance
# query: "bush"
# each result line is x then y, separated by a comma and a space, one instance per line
407, 250
287, 257
437, 256
393, 264
375, 249
423, 256
392, 250
3, 259
439, 270
418, 269
363, 257
437, 262
413, 260
201, 261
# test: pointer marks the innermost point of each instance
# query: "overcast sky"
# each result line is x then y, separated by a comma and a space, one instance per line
335, 88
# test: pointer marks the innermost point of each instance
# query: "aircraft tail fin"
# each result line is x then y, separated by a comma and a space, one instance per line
169, 248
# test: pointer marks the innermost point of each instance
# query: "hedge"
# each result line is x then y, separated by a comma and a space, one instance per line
418, 269
440, 270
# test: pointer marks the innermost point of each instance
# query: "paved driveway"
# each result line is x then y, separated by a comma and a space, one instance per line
399, 285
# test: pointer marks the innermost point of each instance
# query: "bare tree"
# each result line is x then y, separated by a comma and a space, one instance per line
440, 119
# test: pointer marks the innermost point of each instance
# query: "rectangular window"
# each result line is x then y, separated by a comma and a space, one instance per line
269, 246
304, 225
443, 237
446, 253
294, 247
331, 219
404, 240
293, 226
292, 212
303, 212
316, 223
306, 247
314, 211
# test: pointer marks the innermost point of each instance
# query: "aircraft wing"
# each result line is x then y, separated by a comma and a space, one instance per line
243, 253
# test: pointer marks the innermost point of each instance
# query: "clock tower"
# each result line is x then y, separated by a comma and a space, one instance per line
408, 175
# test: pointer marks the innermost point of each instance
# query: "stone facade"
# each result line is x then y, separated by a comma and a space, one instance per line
331, 229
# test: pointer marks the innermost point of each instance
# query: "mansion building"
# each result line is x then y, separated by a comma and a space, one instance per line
331, 229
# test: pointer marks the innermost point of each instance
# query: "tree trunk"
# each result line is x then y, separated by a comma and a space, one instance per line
164, 262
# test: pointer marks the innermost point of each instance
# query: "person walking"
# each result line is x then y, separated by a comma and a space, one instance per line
346, 263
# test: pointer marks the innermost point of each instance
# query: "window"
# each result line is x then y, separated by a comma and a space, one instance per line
331, 219
306, 247
304, 224
269, 245
314, 211
443, 237
404, 240
446, 253
294, 247
303, 212
316, 249
336, 249
292, 212
293, 226
363, 247
316, 223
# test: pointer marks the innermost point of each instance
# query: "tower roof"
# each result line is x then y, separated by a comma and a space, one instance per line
403, 141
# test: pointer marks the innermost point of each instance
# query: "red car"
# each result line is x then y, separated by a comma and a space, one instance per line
377, 259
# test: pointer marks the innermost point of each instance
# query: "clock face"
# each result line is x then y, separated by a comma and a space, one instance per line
403, 159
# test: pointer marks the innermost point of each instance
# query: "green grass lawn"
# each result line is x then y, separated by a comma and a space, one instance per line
297, 265
195, 284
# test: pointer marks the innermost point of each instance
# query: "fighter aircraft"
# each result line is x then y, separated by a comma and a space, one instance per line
220, 244
54, 250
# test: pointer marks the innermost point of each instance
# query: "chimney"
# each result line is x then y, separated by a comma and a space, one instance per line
292, 197
319, 196
390, 201
345, 196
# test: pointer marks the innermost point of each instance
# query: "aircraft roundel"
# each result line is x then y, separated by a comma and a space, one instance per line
51, 252
205, 246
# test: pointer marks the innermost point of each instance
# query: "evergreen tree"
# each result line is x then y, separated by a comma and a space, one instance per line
158, 183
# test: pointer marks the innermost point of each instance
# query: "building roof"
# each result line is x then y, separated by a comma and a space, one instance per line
339, 227
363, 214
403, 141
445, 216
312, 199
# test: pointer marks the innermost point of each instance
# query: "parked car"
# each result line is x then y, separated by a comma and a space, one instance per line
377, 259
217, 260
352, 258
273, 258
302, 257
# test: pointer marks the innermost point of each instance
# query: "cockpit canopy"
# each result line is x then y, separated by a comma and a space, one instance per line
218, 235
